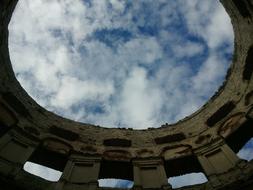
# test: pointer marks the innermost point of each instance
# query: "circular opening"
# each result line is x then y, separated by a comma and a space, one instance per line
116, 63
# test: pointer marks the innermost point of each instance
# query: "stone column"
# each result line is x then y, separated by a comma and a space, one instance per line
150, 174
217, 160
13, 154
80, 173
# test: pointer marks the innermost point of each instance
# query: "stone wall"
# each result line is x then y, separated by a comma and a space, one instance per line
207, 140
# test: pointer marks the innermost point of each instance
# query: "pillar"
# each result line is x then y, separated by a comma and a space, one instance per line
216, 160
13, 154
80, 173
150, 174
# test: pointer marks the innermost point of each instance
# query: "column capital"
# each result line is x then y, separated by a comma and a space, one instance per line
76, 157
148, 161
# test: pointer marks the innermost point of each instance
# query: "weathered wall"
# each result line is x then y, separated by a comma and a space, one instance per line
207, 140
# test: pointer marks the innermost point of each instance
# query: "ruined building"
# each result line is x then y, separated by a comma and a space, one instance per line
207, 141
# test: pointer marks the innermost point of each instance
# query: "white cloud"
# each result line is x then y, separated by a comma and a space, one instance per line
187, 180
188, 49
146, 80
73, 91
115, 183
209, 20
139, 102
143, 50
42, 171
207, 76
118, 5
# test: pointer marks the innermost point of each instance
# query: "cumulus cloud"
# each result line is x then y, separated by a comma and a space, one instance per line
117, 63
87, 90
139, 102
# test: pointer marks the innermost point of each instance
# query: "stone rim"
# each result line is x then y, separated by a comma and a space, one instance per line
197, 135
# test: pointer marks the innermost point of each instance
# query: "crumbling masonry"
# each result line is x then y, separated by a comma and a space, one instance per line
207, 141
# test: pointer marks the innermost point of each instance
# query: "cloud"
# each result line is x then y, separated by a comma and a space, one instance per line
187, 180
67, 94
138, 101
188, 49
43, 172
115, 183
140, 59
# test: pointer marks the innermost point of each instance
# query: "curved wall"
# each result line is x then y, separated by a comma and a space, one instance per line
204, 142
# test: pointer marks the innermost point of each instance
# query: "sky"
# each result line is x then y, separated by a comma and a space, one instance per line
118, 63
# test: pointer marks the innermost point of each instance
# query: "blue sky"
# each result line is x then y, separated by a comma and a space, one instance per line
120, 63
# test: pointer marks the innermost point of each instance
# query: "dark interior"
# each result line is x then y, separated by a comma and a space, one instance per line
220, 114
49, 159
181, 166
240, 137
116, 170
